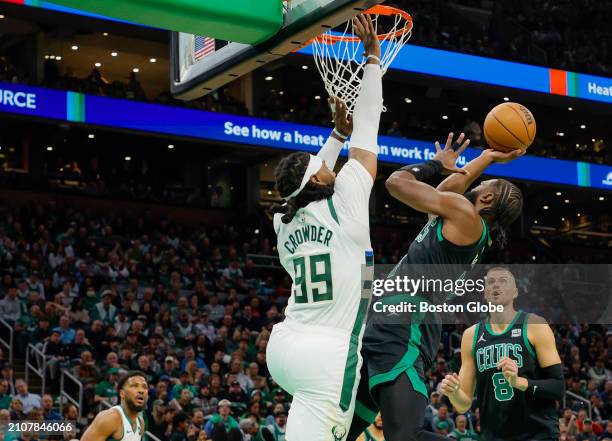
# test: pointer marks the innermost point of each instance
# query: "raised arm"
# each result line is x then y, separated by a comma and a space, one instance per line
343, 127
366, 115
460, 388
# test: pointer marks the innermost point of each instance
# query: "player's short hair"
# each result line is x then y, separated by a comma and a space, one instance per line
288, 176
124, 378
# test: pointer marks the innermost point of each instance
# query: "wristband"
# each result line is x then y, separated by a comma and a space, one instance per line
424, 170
373, 57
340, 134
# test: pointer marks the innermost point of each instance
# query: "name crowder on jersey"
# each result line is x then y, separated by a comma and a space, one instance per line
308, 233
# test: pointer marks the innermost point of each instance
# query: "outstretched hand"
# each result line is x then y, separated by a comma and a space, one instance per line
342, 120
365, 30
448, 156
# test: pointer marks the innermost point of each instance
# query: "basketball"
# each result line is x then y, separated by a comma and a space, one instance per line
509, 126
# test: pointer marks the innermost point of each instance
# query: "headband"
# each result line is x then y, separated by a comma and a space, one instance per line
314, 165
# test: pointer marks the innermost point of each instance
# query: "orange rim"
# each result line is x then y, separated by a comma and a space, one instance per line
376, 10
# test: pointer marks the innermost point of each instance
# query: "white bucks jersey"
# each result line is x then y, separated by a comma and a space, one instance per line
324, 248
129, 433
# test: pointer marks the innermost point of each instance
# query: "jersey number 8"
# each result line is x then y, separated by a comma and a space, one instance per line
503, 390
318, 271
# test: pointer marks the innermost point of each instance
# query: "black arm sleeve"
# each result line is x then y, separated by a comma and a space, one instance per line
424, 170
550, 386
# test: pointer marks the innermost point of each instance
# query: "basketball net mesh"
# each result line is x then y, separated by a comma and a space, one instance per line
339, 55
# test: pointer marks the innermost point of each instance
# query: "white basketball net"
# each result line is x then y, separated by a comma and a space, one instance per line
341, 62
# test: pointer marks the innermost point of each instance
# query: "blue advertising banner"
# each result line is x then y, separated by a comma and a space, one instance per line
243, 130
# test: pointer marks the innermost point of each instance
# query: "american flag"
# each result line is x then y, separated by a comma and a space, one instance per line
203, 46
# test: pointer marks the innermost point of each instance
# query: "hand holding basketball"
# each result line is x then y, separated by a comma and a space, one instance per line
502, 157
448, 156
364, 28
450, 385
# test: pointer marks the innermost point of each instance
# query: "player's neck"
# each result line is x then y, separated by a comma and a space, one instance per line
499, 321
129, 413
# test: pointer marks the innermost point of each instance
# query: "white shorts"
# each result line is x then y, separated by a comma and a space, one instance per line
320, 367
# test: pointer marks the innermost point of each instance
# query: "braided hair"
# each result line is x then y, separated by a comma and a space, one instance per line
288, 175
507, 208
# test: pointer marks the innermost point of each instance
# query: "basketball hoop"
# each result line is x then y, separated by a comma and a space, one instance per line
339, 55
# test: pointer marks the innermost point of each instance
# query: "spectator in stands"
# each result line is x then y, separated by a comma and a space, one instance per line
222, 420
5, 397
67, 333
567, 422
10, 306
16, 409
179, 427
443, 416
48, 414
599, 373
587, 434
29, 400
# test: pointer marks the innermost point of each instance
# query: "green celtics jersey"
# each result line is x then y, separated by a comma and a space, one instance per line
466, 435
323, 249
506, 413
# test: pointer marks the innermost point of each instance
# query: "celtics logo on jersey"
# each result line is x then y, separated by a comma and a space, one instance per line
338, 432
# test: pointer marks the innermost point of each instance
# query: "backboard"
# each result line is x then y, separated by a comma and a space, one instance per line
200, 64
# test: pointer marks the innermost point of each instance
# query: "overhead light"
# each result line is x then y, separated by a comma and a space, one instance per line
152, 60
269, 192
535, 222
386, 205
566, 201
1, 16
52, 57
563, 219
128, 158
577, 145
444, 117
592, 139
407, 100
506, 98
58, 58
281, 93
114, 54
570, 109
91, 136
601, 198
558, 193
560, 134
257, 231
105, 34
98, 64
582, 126
317, 97
545, 207
135, 70
533, 257
170, 146
305, 67
579, 215
49, 148
268, 78
465, 109
47, 57
75, 48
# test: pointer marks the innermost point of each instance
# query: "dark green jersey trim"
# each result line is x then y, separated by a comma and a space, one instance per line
474, 340
332, 210
485, 233
488, 326
528, 344
363, 412
352, 358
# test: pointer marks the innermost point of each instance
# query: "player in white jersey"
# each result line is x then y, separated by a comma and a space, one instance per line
123, 422
323, 243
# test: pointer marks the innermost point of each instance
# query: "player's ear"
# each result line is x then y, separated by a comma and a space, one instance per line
486, 198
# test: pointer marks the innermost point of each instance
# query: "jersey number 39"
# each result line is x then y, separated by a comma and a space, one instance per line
311, 276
